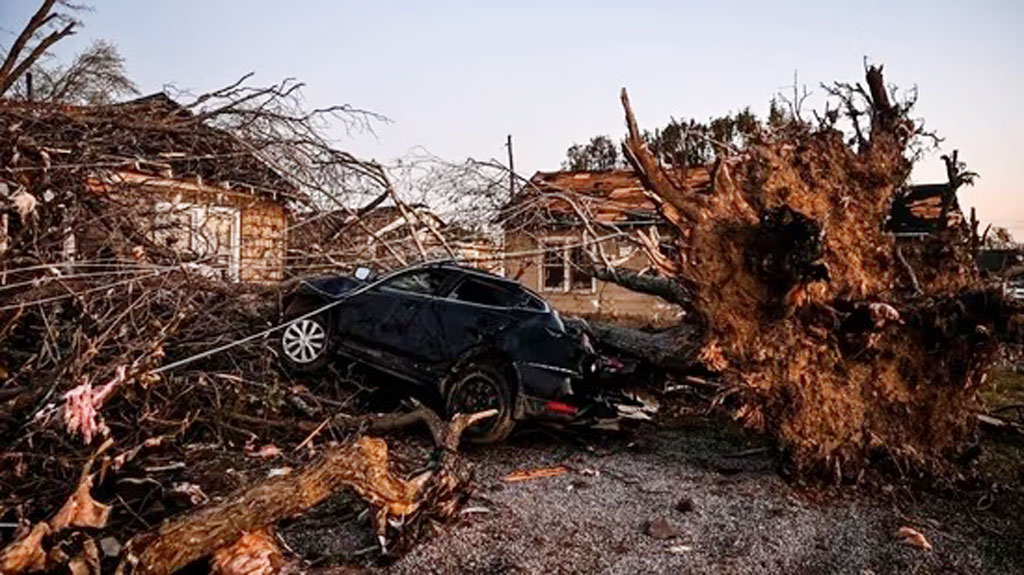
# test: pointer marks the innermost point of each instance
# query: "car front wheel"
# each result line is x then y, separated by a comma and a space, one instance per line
477, 388
305, 343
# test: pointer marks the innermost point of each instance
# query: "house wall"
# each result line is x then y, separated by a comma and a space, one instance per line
262, 235
263, 242
606, 301
261, 228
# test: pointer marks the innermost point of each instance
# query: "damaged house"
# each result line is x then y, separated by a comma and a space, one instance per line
547, 240
925, 220
917, 212
198, 195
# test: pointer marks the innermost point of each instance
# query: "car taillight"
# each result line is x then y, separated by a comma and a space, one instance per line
589, 365
559, 407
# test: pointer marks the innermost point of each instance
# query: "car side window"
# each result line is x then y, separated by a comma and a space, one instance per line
425, 282
473, 290
525, 299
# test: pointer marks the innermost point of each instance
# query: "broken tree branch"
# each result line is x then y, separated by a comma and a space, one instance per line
361, 466
651, 172
12, 69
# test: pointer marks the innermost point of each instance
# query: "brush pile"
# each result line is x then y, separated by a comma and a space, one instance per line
101, 441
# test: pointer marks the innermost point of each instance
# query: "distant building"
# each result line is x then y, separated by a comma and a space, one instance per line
917, 211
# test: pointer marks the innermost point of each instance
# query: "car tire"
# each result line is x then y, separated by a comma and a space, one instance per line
479, 387
305, 344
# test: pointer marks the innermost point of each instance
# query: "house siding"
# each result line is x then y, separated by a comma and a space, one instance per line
263, 242
262, 221
606, 302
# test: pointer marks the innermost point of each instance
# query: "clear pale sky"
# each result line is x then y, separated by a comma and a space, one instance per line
456, 77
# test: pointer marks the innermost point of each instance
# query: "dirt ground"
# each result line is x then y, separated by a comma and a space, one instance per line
731, 511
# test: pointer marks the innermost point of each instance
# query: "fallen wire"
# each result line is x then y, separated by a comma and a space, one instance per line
340, 299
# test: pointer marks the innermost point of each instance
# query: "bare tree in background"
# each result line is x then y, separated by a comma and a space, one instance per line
52, 22
999, 238
96, 76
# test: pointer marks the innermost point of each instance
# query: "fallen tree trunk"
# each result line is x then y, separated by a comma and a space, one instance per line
676, 348
361, 466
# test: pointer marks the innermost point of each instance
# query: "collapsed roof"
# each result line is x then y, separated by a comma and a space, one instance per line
152, 135
605, 196
918, 210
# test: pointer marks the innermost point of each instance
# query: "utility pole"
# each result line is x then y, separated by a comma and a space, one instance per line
28, 86
511, 169
975, 240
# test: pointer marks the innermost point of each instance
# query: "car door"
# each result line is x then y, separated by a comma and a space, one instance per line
474, 312
357, 322
391, 327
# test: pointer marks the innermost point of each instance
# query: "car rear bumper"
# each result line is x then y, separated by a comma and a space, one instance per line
547, 381
547, 393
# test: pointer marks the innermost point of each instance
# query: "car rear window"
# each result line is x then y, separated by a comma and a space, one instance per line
475, 290
530, 301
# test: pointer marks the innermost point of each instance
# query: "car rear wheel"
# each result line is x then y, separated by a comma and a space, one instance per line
305, 343
477, 388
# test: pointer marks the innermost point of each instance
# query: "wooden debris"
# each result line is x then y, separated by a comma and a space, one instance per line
539, 473
26, 555
912, 536
255, 553
87, 562
1000, 426
361, 466
81, 510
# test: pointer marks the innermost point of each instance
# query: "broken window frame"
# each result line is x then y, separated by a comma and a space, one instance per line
564, 246
199, 214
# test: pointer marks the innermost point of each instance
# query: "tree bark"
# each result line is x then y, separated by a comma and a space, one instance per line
674, 349
361, 466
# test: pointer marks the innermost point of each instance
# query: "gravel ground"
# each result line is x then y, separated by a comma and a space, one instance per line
744, 517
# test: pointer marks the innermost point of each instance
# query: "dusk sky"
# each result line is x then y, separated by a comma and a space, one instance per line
456, 77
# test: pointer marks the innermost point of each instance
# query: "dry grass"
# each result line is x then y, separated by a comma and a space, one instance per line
1003, 460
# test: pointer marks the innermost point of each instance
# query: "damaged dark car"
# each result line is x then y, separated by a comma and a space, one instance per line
478, 340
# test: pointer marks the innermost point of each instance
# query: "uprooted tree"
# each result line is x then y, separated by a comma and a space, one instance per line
826, 334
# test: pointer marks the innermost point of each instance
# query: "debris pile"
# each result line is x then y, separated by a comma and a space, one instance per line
120, 427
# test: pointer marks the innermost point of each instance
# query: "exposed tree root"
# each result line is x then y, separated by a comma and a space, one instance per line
844, 347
